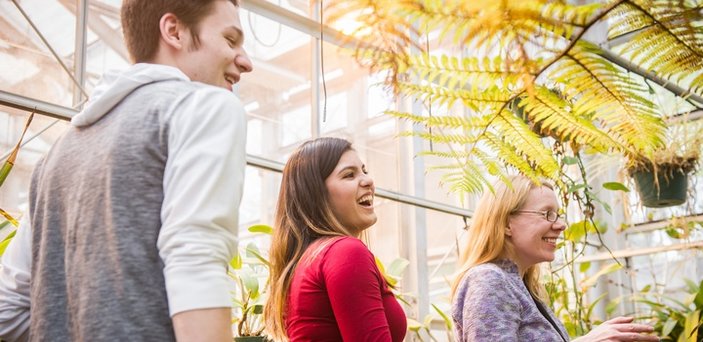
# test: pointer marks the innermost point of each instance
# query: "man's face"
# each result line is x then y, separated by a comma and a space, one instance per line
220, 58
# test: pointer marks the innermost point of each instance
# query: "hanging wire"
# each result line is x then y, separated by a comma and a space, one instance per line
253, 31
322, 64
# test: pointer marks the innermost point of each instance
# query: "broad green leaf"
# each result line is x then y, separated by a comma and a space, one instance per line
428, 320
261, 228
673, 232
570, 160
590, 308
691, 286
250, 281
445, 318
236, 262
612, 305
5, 171
258, 309
699, 297
253, 251
584, 266
691, 327
615, 186
668, 327
578, 230
414, 325
6, 241
397, 267
391, 280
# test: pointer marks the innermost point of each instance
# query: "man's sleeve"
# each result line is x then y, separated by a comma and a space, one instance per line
14, 285
203, 184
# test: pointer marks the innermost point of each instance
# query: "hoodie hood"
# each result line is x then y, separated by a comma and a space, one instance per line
116, 85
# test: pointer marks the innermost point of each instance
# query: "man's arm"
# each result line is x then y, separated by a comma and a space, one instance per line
203, 184
203, 325
14, 285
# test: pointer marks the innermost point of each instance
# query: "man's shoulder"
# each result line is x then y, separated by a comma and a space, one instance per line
212, 95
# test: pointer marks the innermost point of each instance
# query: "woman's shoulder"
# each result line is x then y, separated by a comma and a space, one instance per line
487, 270
345, 245
489, 275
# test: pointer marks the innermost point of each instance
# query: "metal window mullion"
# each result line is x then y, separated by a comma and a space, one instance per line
315, 72
65, 113
79, 56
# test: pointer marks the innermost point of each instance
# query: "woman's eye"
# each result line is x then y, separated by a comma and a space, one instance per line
349, 175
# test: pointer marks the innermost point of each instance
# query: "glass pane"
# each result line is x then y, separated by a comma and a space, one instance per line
14, 191
27, 66
277, 93
105, 47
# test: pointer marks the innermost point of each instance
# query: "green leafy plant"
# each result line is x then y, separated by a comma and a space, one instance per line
661, 176
4, 172
674, 320
489, 54
250, 273
393, 275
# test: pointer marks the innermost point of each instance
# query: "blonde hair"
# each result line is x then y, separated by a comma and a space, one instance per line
486, 235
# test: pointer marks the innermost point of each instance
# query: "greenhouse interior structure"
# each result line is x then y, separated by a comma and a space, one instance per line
441, 99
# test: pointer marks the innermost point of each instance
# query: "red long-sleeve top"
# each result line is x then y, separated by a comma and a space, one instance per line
338, 294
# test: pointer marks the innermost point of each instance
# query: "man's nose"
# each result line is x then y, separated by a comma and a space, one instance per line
243, 62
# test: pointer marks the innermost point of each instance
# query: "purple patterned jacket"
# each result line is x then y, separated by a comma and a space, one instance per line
492, 304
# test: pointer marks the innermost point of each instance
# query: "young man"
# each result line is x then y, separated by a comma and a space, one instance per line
133, 213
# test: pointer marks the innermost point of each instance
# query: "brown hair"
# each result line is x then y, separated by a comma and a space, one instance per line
486, 241
140, 22
303, 215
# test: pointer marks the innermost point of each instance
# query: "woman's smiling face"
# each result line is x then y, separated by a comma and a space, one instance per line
351, 193
532, 236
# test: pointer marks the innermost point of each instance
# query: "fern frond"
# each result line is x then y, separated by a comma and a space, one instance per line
669, 38
553, 116
518, 136
452, 72
443, 138
602, 91
444, 121
472, 98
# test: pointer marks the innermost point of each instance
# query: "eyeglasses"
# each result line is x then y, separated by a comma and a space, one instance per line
549, 215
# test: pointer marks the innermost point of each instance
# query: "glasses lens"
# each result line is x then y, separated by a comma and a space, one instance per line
552, 216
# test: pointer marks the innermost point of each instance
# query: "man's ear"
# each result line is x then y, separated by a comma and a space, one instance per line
171, 31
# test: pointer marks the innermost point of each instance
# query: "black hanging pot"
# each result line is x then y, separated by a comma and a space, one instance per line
669, 190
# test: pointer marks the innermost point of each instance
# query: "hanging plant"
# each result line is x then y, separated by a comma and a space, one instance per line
662, 177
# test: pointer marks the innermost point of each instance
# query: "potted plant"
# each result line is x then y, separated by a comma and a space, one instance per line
677, 320
250, 274
661, 178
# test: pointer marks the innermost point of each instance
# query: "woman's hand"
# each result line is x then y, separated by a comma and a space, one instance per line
619, 329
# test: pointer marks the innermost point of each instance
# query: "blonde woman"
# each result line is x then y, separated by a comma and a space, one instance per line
497, 295
324, 283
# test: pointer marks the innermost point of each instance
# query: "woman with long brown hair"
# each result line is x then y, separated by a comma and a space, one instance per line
324, 283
